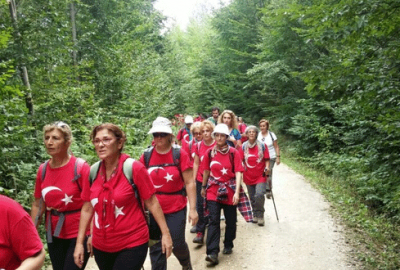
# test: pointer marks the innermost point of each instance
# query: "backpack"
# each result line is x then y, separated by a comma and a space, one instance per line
262, 145
176, 155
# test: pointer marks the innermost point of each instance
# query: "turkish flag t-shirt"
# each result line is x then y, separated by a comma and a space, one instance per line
119, 221
59, 192
19, 238
168, 179
200, 150
254, 168
184, 137
221, 168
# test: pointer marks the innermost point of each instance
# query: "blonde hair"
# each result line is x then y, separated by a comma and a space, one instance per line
234, 123
208, 124
195, 125
64, 128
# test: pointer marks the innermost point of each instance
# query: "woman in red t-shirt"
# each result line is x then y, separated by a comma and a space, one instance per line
200, 151
58, 190
228, 118
255, 157
222, 177
170, 170
20, 245
119, 229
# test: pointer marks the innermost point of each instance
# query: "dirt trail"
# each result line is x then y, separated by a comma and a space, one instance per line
306, 236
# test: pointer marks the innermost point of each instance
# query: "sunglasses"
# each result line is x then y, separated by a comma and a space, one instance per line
196, 133
162, 135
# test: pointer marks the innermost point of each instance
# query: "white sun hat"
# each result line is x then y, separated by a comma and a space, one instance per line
162, 125
188, 119
222, 129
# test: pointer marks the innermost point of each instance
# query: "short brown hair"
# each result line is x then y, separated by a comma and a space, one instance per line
208, 124
264, 121
114, 129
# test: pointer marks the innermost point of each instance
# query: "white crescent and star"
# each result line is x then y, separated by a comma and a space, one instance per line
168, 177
213, 163
47, 190
67, 199
185, 137
154, 168
117, 212
247, 163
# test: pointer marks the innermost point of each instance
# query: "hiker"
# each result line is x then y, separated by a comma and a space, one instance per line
171, 172
221, 187
197, 137
214, 116
242, 129
20, 244
184, 135
58, 188
255, 158
200, 150
271, 141
120, 234
228, 118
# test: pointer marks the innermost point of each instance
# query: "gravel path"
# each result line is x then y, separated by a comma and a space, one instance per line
306, 236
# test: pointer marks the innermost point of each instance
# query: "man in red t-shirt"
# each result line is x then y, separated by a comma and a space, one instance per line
242, 128
20, 245
184, 136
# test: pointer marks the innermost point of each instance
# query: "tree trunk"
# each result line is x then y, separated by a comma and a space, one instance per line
74, 53
22, 67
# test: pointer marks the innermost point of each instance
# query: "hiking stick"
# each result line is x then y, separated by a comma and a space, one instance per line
273, 200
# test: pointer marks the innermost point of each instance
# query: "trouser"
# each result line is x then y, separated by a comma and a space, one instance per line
257, 198
126, 259
214, 229
271, 166
176, 224
61, 253
201, 224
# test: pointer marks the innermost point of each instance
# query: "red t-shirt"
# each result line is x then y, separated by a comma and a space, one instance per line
190, 150
254, 170
60, 193
183, 136
220, 167
119, 222
200, 150
19, 238
242, 128
168, 179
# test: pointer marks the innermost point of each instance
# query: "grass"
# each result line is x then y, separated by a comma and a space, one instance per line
375, 239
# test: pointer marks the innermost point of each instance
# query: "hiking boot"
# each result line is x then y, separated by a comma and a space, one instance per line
213, 259
193, 229
268, 194
255, 219
199, 239
261, 221
227, 250
188, 267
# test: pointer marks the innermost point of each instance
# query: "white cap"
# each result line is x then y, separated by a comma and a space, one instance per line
162, 125
222, 129
188, 119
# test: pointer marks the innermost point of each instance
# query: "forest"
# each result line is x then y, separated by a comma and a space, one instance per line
325, 72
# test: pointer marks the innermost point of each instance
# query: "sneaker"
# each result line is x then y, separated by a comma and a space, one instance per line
227, 250
199, 239
188, 267
261, 221
213, 259
193, 229
268, 194
255, 219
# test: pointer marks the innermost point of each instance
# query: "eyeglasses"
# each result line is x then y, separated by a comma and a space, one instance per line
196, 133
162, 135
105, 141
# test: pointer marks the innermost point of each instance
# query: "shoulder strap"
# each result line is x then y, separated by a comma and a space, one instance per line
270, 134
94, 170
77, 171
232, 159
127, 169
44, 167
147, 155
176, 155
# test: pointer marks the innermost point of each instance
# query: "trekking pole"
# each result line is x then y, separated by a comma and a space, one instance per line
273, 200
